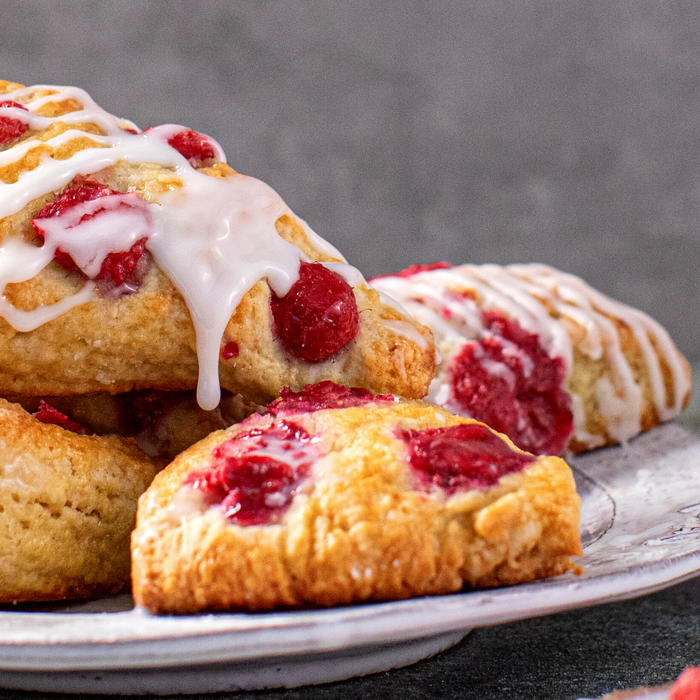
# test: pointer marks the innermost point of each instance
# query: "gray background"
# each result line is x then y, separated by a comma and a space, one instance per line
407, 131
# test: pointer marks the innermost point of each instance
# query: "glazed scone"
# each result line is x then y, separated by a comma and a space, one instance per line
67, 508
337, 497
138, 260
541, 356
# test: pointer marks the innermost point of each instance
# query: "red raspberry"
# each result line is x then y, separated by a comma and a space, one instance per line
48, 414
193, 145
11, 129
116, 267
687, 687
318, 317
415, 269
230, 350
524, 397
315, 397
462, 457
253, 487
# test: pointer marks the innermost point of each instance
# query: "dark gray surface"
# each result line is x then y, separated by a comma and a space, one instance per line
553, 130
647, 641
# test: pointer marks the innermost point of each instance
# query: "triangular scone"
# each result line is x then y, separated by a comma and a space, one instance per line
337, 497
541, 356
141, 260
67, 507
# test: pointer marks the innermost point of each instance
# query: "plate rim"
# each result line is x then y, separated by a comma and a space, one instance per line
135, 639
422, 617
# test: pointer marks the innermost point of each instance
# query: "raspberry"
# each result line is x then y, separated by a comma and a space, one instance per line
461, 457
247, 478
315, 397
86, 191
11, 129
415, 269
318, 317
230, 350
48, 414
193, 145
508, 381
687, 687
116, 267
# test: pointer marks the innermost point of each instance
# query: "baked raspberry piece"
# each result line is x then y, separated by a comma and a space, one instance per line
48, 414
256, 474
318, 317
230, 350
117, 267
461, 457
687, 687
315, 397
193, 145
508, 381
11, 129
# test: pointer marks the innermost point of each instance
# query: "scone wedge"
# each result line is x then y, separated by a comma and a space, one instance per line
67, 509
336, 496
141, 260
542, 356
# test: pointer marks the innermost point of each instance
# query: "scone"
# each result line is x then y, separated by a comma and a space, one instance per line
67, 507
140, 260
336, 496
541, 356
162, 423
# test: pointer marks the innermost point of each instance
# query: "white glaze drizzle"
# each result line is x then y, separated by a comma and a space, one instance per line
214, 238
575, 290
526, 293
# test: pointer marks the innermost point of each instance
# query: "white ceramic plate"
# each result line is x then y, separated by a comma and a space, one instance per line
641, 532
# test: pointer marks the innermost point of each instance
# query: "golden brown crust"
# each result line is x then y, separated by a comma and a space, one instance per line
360, 532
147, 340
67, 507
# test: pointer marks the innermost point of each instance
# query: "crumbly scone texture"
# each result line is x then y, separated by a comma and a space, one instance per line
361, 529
67, 508
147, 339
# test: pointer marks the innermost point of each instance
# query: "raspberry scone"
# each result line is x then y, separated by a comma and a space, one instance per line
67, 507
541, 356
139, 260
337, 496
